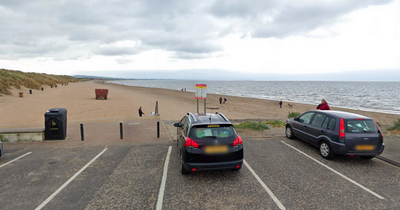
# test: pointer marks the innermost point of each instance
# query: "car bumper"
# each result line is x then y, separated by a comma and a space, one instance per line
237, 164
341, 149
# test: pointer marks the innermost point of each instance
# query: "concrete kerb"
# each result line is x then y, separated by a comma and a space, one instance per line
22, 134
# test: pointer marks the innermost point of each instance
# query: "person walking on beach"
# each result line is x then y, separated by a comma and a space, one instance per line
280, 104
220, 100
225, 100
323, 105
140, 112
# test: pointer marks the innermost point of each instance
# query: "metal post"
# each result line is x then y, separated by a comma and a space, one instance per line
156, 111
30, 91
121, 131
197, 106
158, 129
82, 135
205, 106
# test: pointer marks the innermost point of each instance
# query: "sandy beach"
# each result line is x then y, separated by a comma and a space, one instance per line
124, 102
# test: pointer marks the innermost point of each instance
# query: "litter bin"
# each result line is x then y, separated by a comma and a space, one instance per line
55, 123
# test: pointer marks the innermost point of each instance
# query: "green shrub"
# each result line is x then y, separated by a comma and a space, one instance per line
396, 126
275, 123
257, 126
293, 114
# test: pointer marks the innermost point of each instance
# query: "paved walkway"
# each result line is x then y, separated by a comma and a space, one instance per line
142, 129
392, 149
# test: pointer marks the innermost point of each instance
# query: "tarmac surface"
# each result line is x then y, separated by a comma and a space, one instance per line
142, 171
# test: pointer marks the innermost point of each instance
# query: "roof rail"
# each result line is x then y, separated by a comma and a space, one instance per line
223, 117
192, 115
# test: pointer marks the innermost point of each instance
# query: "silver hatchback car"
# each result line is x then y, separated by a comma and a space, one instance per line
337, 132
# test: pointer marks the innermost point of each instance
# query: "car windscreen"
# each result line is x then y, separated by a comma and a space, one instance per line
212, 132
361, 126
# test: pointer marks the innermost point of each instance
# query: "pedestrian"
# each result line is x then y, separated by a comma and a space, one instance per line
280, 104
140, 112
220, 100
225, 100
323, 105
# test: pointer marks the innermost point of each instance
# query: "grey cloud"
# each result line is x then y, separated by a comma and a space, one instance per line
190, 56
189, 29
115, 50
265, 19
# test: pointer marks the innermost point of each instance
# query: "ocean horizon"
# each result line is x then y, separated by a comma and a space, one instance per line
358, 95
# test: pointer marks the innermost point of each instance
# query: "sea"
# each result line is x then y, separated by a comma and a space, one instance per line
381, 97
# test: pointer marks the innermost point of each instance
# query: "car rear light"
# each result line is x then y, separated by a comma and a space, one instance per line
237, 141
193, 169
191, 143
342, 134
238, 166
379, 128
359, 119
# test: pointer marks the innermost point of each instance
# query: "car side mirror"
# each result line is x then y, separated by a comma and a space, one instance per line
178, 125
296, 119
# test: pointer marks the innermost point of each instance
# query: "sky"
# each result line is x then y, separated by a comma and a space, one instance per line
208, 39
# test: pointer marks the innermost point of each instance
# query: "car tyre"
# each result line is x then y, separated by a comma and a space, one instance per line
325, 150
183, 170
289, 132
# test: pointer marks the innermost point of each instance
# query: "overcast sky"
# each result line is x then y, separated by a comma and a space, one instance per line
218, 39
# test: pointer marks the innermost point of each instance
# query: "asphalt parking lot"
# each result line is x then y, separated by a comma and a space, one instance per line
278, 174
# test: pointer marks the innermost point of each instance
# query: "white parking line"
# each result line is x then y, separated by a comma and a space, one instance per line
336, 172
265, 187
69, 181
163, 181
15, 159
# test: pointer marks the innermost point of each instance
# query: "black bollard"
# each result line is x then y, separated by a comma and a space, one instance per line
30, 91
82, 135
121, 131
42, 89
158, 129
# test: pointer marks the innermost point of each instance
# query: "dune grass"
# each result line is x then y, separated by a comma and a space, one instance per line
395, 126
293, 114
257, 126
18, 79
275, 123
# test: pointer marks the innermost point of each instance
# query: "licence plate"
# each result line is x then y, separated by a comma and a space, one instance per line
216, 149
365, 147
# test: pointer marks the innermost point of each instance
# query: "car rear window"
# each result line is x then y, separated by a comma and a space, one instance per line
212, 131
361, 126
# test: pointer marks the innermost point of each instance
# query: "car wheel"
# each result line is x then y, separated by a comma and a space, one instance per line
325, 150
183, 170
368, 157
289, 132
